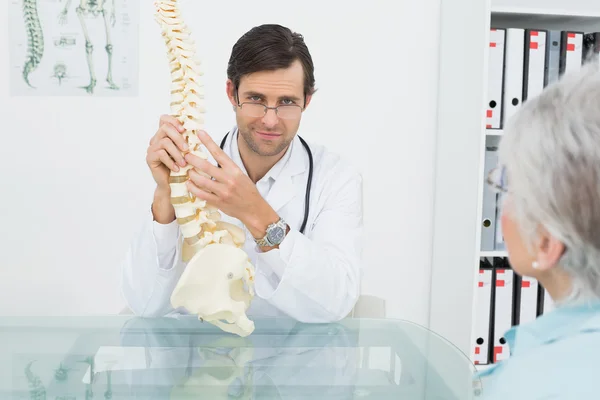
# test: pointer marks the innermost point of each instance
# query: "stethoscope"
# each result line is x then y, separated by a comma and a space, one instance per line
308, 182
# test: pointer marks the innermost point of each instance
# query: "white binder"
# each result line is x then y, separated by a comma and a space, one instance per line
528, 300
481, 347
495, 76
503, 305
571, 51
548, 303
513, 72
534, 63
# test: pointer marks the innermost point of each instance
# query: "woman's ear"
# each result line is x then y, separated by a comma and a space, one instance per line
549, 250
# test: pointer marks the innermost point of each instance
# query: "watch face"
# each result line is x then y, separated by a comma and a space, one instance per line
276, 235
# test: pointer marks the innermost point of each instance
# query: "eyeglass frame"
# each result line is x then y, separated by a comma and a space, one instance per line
498, 186
267, 108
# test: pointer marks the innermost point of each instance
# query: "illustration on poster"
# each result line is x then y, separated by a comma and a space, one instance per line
55, 43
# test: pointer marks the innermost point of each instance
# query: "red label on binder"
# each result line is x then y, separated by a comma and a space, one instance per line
497, 350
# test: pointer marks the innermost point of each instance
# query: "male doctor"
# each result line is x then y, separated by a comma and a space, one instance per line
311, 276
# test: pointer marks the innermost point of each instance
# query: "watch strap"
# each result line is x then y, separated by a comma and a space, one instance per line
264, 241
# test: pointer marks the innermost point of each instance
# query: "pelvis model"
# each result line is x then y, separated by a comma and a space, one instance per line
218, 282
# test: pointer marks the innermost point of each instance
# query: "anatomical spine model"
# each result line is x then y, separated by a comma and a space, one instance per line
218, 282
94, 8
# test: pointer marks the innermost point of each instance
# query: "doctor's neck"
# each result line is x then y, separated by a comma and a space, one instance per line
257, 165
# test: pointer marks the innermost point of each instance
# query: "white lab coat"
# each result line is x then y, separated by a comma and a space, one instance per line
312, 277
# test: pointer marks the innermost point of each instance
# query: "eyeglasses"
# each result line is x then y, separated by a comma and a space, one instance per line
497, 179
258, 110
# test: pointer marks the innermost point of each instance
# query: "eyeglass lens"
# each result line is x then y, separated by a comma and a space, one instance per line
257, 110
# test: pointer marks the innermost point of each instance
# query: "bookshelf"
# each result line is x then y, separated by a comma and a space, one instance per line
461, 143
550, 14
494, 132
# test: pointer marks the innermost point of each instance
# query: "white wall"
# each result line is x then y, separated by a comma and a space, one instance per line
75, 183
461, 118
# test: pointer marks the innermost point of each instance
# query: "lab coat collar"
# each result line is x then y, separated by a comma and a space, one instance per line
562, 322
293, 162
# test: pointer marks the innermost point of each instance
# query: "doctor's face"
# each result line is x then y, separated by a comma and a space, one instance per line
270, 133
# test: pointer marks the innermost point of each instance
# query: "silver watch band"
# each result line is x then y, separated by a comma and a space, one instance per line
280, 225
263, 242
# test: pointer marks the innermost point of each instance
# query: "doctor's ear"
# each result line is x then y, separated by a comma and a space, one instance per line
308, 99
230, 89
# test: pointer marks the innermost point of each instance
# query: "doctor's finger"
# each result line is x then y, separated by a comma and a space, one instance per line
202, 194
218, 154
205, 166
168, 131
205, 184
174, 153
169, 119
157, 157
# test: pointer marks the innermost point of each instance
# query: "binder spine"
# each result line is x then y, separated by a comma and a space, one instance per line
571, 55
513, 72
516, 306
503, 308
495, 78
553, 51
490, 201
483, 318
534, 63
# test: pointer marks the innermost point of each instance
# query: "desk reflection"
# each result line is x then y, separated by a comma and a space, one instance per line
319, 360
182, 358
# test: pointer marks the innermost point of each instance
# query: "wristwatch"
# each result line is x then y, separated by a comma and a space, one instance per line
275, 234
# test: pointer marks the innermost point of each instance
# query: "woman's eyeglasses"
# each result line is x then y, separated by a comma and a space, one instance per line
497, 179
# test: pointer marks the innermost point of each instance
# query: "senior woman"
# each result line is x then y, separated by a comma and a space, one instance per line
549, 177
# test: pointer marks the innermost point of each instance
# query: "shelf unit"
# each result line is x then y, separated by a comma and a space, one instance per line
503, 15
494, 132
580, 15
461, 141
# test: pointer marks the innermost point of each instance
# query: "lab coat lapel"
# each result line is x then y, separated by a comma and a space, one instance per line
284, 189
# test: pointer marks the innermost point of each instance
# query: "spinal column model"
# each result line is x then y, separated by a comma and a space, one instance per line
218, 282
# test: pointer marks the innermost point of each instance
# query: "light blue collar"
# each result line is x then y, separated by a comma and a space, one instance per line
561, 322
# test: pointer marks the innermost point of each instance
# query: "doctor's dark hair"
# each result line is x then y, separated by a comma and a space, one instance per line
269, 47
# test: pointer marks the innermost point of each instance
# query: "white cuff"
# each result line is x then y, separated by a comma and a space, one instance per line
165, 236
277, 260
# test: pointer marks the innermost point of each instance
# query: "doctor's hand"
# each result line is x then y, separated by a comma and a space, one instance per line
164, 152
232, 191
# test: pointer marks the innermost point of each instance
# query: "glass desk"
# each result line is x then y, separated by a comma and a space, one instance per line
125, 357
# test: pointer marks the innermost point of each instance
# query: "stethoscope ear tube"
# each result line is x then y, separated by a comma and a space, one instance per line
308, 182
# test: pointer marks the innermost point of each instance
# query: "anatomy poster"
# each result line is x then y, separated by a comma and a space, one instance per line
74, 47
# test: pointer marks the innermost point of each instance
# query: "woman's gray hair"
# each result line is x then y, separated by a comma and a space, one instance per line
551, 151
